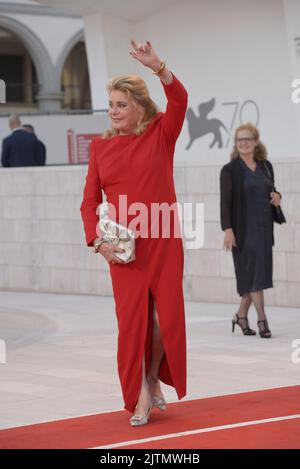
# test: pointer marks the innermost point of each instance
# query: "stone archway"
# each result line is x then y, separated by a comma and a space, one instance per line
74, 78
79, 36
49, 96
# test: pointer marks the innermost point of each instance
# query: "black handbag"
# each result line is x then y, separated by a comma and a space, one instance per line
278, 215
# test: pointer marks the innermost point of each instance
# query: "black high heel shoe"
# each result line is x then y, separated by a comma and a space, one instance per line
246, 330
264, 332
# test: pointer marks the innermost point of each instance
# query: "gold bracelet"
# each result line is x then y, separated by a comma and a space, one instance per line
162, 67
98, 244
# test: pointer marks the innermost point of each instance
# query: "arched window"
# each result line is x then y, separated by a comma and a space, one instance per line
75, 79
18, 71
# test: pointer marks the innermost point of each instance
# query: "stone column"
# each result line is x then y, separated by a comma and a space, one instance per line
50, 100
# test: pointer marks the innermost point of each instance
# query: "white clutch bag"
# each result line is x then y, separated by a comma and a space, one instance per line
118, 235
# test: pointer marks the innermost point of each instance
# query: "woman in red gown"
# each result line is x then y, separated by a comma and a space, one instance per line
135, 159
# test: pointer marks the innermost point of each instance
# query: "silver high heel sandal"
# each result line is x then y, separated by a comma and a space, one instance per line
138, 420
159, 402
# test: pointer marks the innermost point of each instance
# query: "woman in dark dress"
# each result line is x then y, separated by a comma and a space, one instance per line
247, 220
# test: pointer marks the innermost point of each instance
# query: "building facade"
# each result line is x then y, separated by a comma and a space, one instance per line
239, 61
42, 58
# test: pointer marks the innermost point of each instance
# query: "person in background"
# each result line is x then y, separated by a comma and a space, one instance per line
247, 219
41, 154
21, 147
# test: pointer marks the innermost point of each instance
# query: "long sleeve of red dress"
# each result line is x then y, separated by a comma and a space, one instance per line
173, 118
92, 197
141, 168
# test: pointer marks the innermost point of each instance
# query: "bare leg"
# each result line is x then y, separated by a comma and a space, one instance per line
157, 356
151, 385
145, 400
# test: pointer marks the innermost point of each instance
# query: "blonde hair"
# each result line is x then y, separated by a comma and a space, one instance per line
260, 151
136, 89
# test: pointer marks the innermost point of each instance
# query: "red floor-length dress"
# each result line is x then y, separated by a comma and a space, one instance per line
141, 167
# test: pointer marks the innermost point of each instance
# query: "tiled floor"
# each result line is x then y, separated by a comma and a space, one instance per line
61, 355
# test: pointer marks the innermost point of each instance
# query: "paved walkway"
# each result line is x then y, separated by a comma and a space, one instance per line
61, 355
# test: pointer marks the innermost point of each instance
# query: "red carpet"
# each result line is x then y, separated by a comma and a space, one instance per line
275, 435
114, 428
